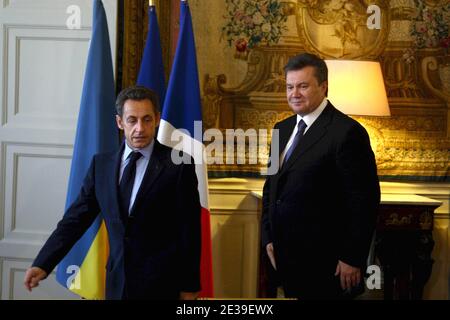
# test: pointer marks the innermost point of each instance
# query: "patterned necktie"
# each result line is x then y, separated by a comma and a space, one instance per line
301, 126
127, 181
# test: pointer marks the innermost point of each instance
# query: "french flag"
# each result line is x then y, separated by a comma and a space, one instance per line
181, 110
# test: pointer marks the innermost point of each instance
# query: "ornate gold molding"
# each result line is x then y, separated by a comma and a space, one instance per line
402, 13
133, 40
432, 64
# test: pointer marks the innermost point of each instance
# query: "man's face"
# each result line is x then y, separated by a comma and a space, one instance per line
138, 122
304, 94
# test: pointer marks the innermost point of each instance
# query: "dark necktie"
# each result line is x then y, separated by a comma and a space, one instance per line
301, 126
127, 181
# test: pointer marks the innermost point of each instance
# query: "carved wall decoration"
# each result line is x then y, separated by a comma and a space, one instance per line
412, 144
338, 29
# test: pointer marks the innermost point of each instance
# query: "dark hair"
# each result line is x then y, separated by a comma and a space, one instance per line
303, 60
136, 93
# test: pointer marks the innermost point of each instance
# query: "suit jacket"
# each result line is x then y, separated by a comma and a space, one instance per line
155, 251
321, 206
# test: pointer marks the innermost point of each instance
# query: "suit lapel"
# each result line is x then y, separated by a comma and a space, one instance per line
154, 169
312, 136
285, 132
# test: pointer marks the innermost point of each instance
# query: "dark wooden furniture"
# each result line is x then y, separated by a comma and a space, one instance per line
404, 243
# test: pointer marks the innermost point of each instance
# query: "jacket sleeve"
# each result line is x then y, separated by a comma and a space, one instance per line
266, 229
188, 202
358, 174
77, 219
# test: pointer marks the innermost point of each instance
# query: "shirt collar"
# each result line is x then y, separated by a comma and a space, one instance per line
311, 117
146, 151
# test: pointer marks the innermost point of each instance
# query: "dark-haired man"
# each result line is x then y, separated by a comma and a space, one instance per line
151, 208
319, 210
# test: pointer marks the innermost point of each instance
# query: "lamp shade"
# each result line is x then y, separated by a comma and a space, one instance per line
357, 87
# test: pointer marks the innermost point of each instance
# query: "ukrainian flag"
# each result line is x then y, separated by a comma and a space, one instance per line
83, 269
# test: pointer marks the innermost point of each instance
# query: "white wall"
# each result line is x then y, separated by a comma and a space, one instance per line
43, 65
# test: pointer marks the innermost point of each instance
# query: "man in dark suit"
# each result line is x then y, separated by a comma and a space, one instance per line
319, 209
153, 225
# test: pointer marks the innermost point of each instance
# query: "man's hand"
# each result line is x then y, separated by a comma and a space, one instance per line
270, 253
350, 276
189, 295
33, 276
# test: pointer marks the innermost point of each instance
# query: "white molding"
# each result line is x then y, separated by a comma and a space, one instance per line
13, 37
48, 288
48, 5
11, 153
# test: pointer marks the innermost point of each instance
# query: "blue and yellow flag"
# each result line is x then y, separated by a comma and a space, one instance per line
83, 269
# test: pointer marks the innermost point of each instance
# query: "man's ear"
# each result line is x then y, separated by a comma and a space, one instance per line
325, 85
157, 118
119, 122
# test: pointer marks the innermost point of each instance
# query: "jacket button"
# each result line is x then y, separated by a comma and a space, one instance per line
278, 201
